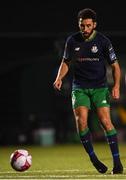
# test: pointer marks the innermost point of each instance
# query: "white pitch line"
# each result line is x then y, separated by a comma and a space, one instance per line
21, 176
49, 171
64, 176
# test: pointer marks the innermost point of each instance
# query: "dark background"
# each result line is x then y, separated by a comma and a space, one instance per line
32, 36
58, 16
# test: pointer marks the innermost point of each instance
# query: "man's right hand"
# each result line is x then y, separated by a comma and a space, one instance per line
57, 84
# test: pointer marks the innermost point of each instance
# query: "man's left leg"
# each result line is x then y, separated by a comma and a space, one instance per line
111, 135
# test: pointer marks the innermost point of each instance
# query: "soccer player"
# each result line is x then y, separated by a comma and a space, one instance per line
88, 50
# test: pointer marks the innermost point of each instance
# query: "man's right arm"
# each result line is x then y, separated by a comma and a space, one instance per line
63, 69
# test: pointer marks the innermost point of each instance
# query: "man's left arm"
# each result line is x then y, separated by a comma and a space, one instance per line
116, 72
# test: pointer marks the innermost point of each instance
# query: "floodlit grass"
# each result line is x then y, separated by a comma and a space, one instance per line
60, 162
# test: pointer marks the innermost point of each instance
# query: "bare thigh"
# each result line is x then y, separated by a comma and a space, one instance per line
81, 116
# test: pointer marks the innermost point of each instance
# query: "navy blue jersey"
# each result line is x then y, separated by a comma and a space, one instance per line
89, 59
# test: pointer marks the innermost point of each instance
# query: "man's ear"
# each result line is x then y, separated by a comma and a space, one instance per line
95, 24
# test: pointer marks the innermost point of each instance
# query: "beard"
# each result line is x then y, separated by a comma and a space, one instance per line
86, 34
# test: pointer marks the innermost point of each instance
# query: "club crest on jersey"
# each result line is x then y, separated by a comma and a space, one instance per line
94, 49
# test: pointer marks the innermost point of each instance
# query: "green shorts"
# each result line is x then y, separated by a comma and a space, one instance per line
91, 98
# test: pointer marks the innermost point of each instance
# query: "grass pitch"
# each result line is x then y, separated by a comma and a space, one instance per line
60, 162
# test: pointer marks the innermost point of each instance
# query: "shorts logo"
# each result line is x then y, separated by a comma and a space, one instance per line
104, 101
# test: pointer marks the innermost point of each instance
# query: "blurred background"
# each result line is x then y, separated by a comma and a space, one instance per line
32, 37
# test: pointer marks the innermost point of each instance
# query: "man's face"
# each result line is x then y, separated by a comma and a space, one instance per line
86, 26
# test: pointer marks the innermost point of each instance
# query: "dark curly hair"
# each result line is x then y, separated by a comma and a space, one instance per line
87, 13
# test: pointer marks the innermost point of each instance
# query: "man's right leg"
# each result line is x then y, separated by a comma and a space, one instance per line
81, 116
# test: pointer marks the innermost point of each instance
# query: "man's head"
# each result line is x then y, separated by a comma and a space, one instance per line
87, 21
